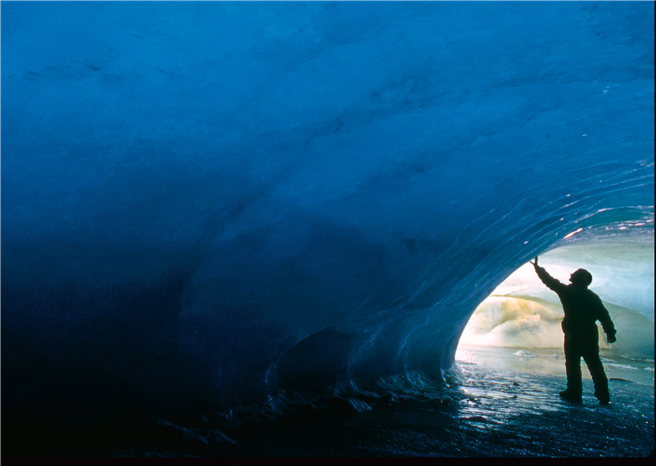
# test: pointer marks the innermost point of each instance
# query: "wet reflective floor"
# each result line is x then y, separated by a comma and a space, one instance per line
494, 410
492, 414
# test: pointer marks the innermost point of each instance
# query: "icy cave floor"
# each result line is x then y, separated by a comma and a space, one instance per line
491, 412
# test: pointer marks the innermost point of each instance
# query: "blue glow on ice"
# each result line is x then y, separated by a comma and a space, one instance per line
255, 196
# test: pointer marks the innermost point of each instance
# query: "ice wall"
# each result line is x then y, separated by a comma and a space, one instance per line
211, 201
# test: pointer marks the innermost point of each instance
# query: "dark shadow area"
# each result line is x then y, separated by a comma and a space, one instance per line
77, 361
317, 362
78, 344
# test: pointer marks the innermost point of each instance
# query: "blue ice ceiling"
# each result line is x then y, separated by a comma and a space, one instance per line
258, 196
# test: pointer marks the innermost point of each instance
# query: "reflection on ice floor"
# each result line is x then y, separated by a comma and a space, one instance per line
524, 406
486, 411
491, 407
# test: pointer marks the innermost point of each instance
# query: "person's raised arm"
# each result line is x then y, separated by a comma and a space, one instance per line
547, 279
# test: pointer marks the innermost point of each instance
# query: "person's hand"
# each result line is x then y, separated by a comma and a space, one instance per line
535, 264
611, 339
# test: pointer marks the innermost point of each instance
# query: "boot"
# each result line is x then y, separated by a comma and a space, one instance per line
568, 395
604, 398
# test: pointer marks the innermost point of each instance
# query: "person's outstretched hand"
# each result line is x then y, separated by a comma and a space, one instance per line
535, 264
611, 339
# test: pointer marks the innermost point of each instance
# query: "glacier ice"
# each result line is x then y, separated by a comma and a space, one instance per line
209, 202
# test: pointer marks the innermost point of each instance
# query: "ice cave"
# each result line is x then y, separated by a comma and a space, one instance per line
207, 205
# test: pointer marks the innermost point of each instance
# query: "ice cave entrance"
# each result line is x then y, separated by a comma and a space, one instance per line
518, 326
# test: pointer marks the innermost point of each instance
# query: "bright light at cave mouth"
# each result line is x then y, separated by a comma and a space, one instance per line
524, 316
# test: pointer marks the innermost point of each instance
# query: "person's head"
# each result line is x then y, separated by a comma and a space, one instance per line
581, 277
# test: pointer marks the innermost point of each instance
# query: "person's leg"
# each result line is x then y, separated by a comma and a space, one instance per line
573, 369
598, 375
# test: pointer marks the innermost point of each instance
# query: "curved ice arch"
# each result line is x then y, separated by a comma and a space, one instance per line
413, 325
235, 199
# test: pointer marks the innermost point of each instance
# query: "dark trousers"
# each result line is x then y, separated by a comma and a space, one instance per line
586, 347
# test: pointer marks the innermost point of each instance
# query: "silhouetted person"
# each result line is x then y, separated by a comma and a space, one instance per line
582, 310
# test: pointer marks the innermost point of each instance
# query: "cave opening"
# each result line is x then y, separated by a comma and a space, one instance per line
518, 326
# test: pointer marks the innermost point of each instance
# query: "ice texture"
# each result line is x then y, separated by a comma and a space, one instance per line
208, 202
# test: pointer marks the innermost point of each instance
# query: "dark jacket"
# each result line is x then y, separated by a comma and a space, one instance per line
582, 307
